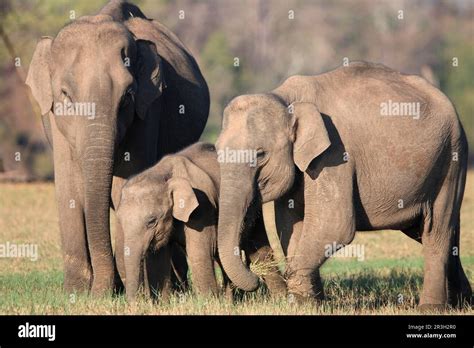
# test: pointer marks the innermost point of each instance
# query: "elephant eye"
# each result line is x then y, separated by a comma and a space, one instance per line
65, 96
151, 222
260, 153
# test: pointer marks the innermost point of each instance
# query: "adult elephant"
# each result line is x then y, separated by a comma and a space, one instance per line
148, 98
337, 157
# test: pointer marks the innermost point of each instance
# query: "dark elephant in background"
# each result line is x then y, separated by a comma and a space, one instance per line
325, 143
149, 98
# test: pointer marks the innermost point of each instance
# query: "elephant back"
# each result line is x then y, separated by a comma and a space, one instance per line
185, 100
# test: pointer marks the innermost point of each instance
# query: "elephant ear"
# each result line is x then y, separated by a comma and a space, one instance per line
47, 128
184, 88
149, 77
184, 199
311, 138
39, 77
194, 178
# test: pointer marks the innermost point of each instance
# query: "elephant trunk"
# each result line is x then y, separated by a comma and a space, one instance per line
235, 199
134, 269
98, 162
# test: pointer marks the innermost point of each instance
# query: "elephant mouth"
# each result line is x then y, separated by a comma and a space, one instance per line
159, 240
158, 243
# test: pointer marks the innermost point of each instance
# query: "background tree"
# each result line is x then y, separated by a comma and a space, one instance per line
272, 39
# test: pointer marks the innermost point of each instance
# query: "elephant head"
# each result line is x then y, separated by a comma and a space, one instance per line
150, 202
91, 82
281, 138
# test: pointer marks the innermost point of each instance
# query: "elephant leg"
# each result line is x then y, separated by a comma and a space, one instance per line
445, 281
459, 289
329, 224
289, 221
303, 277
70, 198
77, 264
158, 272
435, 294
120, 276
227, 288
443, 272
179, 265
259, 251
119, 271
200, 251
289, 212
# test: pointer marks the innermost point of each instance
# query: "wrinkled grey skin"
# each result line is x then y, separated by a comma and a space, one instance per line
138, 74
175, 202
347, 168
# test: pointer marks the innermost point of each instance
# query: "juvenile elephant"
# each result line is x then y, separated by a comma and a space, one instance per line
117, 91
176, 201
338, 155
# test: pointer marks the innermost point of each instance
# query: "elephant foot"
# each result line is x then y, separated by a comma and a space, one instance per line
228, 292
305, 286
77, 275
433, 307
103, 286
101, 291
277, 290
77, 284
76, 288
311, 296
302, 300
276, 285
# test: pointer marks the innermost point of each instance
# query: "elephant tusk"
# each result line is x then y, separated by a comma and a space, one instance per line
268, 211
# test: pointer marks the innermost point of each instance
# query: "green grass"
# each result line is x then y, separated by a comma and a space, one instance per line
414, 264
387, 281
374, 287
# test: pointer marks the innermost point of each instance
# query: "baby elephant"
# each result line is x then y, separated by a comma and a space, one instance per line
176, 201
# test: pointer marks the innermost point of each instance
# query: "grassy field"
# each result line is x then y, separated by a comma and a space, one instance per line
387, 281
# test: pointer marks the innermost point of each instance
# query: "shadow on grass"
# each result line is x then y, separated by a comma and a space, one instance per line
372, 290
